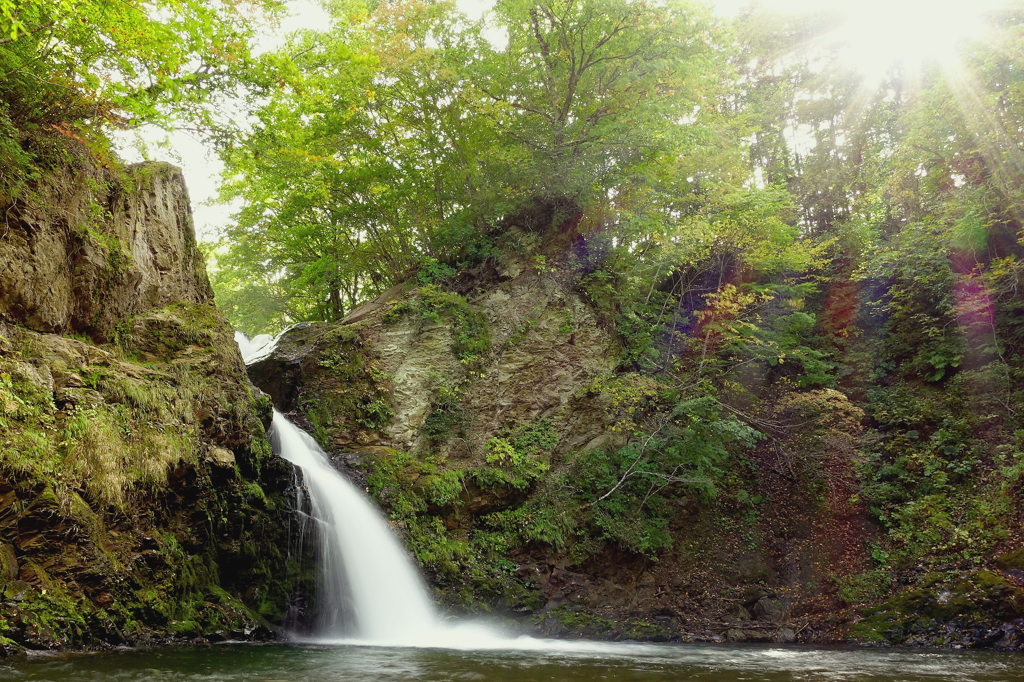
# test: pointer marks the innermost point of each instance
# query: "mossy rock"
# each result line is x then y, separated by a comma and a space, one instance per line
8, 564
982, 598
998, 596
9, 648
1012, 560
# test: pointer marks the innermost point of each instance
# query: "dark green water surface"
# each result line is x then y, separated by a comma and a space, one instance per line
563, 661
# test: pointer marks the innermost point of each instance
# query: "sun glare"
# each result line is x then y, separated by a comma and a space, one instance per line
877, 34
880, 33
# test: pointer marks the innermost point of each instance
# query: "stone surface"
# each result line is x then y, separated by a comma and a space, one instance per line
388, 394
277, 370
139, 499
222, 457
92, 248
8, 563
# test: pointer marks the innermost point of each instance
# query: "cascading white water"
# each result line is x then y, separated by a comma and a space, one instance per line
368, 587
363, 569
249, 348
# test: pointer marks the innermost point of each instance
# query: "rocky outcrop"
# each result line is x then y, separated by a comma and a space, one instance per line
139, 499
469, 408
431, 371
428, 397
90, 248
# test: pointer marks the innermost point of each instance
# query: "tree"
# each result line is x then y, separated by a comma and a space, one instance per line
362, 151
72, 67
590, 90
402, 135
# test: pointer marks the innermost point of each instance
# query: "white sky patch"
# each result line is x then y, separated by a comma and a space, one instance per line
474, 9
879, 33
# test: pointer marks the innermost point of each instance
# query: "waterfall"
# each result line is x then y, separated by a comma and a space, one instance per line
368, 587
367, 582
250, 347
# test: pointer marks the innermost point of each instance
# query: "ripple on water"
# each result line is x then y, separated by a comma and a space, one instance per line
519, 660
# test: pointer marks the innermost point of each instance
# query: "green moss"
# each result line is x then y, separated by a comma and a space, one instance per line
875, 629
517, 456
445, 488
861, 588
982, 598
92, 478
1011, 560
189, 628
391, 478
353, 393
576, 622
471, 336
447, 416
469, 563
645, 630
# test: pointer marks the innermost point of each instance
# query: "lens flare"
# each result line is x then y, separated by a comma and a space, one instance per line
875, 35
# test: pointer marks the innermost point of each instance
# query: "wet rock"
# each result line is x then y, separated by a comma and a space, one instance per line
69, 398
17, 590
770, 609
8, 564
130, 511
10, 649
261, 633
785, 636
278, 370
752, 568
738, 612
749, 635
753, 594
1011, 560
38, 376
222, 457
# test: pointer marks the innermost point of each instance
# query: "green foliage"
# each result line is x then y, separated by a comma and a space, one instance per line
631, 490
354, 392
747, 278
921, 336
447, 415
72, 67
431, 271
930, 478
110, 449
517, 455
861, 588
446, 487
554, 515
400, 139
389, 481
582, 91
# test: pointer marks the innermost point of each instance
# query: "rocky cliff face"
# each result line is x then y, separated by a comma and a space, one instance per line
87, 250
139, 500
479, 419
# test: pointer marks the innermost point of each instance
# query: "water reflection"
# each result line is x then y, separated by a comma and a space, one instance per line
554, 661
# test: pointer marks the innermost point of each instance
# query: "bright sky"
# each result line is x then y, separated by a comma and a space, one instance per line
876, 32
